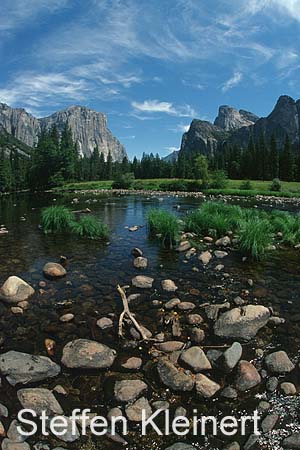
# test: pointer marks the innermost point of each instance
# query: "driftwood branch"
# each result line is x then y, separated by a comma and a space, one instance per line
126, 312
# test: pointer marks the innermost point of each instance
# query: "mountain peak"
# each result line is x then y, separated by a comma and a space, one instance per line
230, 119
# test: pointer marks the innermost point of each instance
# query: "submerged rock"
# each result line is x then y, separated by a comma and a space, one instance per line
142, 282
242, 322
174, 378
205, 257
54, 270
140, 262
86, 354
39, 400
15, 290
129, 390
24, 368
169, 286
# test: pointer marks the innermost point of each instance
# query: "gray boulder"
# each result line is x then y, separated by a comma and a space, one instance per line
135, 411
205, 387
195, 358
180, 446
39, 400
174, 378
142, 282
15, 290
86, 354
129, 390
247, 376
279, 362
54, 270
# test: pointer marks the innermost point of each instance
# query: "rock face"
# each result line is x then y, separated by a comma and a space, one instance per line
242, 322
231, 119
89, 128
86, 354
24, 368
15, 290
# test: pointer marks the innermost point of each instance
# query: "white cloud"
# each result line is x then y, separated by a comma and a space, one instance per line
232, 82
172, 149
181, 128
156, 106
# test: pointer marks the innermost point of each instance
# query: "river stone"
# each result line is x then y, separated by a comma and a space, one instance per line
114, 412
15, 290
24, 368
133, 363
272, 384
243, 323
186, 306
54, 270
7, 444
174, 378
205, 257
231, 356
129, 390
169, 286
142, 282
13, 433
196, 359
136, 252
3, 410
172, 303
205, 387
86, 354
194, 319
269, 422
140, 262
67, 318
104, 323
134, 412
39, 399
220, 254
184, 246
229, 393
197, 335
279, 362
288, 388
181, 446
69, 436
223, 242
292, 441
170, 346
247, 376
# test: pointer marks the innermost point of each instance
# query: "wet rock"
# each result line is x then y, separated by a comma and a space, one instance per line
195, 358
39, 400
197, 335
169, 286
276, 321
288, 388
180, 446
232, 446
15, 290
180, 412
86, 354
279, 362
220, 254
238, 301
133, 228
7, 444
54, 270
184, 246
194, 319
174, 378
172, 303
3, 410
133, 363
205, 387
229, 393
190, 253
24, 368
263, 406
2, 430
16, 310
114, 412
219, 267
212, 311
60, 390
205, 257
247, 377
24, 305
292, 441
272, 384
135, 411
13, 434
67, 318
231, 356
213, 355
140, 262
252, 440
186, 306
136, 335
136, 252
243, 323
269, 422
161, 404
129, 390
142, 282
105, 323
223, 242
170, 346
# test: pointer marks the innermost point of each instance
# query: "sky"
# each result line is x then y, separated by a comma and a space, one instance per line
150, 65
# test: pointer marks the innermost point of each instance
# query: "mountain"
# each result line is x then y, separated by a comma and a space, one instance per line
89, 128
9, 144
172, 157
235, 127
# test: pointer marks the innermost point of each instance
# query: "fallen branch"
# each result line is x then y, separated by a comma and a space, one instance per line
126, 312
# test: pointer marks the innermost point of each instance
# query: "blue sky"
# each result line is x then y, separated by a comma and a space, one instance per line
150, 65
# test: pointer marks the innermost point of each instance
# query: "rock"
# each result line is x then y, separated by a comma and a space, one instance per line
220, 254
135, 411
161, 404
71, 434
24, 368
86, 354
197, 335
174, 378
212, 311
186, 306
2, 430
39, 400
133, 228
194, 319
223, 242
231, 356
24, 305
133, 363
129, 390
105, 323
13, 434
238, 301
243, 322
169, 286
251, 442
54, 270
219, 267
180, 446
136, 252
272, 384
184, 246
208, 239
136, 335
15, 290
205, 387
3, 410
114, 412
279, 362
269, 422
7, 444
190, 253
67, 318
140, 262
288, 388
142, 282
213, 355
16, 310
180, 412
292, 441
205, 257
263, 406
247, 377
60, 390
276, 321
170, 346
232, 446
172, 303
229, 393
195, 358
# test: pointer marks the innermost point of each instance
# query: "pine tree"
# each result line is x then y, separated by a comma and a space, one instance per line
274, 158
287, 162
68, 154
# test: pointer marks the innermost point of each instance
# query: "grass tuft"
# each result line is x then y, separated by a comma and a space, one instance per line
255, 236
57, 219
163, 225
91, 228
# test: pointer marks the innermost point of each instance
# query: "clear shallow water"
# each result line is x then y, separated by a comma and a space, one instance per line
89, 292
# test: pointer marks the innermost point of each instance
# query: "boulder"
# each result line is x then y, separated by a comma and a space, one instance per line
54, 270
243, 322
140, 262
173, 378
220, 254
169, 286
15, 290
23, 368
135, 411
86, 354
197, 335
231, 356
180, 446
142, 282
279, 362
39, 400
195, 359
170, 346
292, 441
223, 242
184, 246
129, 390
8, 444
104, 323
133, 363
247, 376
205, 257
288, 388
205, 387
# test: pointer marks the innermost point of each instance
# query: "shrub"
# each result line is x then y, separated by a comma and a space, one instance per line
194, 186
91, 228
246, 185
57, 219
123, 181
163, 225
276, 185
254, 237
219, 180
177, 185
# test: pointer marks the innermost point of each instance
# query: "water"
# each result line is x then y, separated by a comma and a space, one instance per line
89, 292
